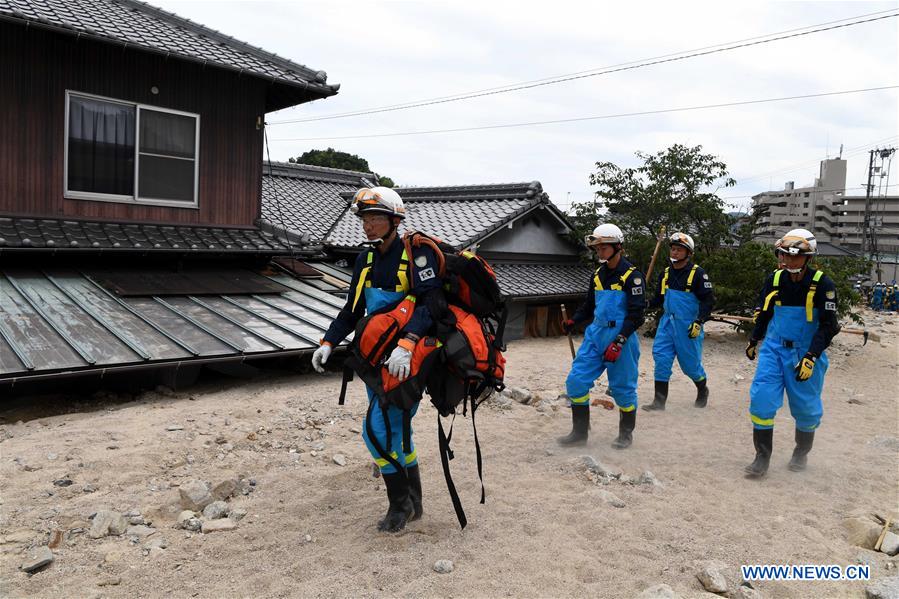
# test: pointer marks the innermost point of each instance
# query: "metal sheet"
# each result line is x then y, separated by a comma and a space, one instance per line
78, 328
205, 344
126, 324
189, 282
322, 301
43, 346
309, 332
234, 334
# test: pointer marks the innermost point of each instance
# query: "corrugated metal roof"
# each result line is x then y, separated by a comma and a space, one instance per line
63, 321
72, 236
140, 25
531, 280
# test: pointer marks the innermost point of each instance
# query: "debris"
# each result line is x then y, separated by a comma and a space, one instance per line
885, 588
220, 525
658, 591
591, 464
140, 531
174, 427
890, 544
195, 495
112, 581
237, 514
157, 543
443, 566
611, 498
225, 489
107, 522
63, 482
37, 559
520, 394
89, 488
339, 459
648, 478
712, 579
216, 510
745, 592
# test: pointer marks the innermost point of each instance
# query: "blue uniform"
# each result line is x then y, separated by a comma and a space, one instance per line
686, 296
379, 281
877, 298
794, 318
615, 302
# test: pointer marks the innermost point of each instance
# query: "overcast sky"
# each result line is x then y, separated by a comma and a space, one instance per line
384, 53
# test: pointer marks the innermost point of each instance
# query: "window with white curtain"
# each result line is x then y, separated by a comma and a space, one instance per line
126, 152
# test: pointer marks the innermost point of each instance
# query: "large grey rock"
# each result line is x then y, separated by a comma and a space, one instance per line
37, 559
885, 588
712, 579
237, 514
658, 591
188, 520
225, 489
195, 495
520, 394
107, 522
890, 544
216, 510
140, 531
443, 566
648, 478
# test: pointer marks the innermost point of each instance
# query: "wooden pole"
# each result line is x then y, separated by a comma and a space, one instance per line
864, 333
570, 341
655, 253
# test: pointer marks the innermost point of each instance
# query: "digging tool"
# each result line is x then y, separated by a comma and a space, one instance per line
883, 533
865, 334
570, 341
655, 254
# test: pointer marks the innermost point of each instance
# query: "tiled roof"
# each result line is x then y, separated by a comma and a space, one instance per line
527, 280
59, 322
306, 200
30, 234
460, 215
137, 24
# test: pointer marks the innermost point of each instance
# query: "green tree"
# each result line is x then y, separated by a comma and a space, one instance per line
332, 158
676, 187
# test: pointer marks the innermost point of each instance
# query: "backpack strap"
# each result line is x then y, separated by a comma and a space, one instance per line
347, 377
446, 455
775, 284
364, 276
810, 296
692, 274
418, 239
597, 282
665, 280
620, 285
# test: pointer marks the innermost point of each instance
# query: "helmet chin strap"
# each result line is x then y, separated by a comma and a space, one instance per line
376, 243
617, 250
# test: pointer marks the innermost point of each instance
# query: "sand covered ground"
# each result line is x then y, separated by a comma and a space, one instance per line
550, 527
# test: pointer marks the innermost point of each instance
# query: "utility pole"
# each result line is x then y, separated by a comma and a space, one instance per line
869, 224
868, 189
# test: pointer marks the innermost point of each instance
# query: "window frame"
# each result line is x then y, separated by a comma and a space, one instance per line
135, 198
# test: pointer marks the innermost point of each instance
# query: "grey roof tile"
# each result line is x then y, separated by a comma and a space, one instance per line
139, 24
52, 234
306, 200
526, 280
459, 215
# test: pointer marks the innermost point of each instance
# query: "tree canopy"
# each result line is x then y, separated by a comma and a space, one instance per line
332, 158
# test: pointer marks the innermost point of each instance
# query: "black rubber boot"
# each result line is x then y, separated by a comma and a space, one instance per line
804, 442
702, 393
415, 491
580, 424
400, 508
661, 396
626, 423
763, 439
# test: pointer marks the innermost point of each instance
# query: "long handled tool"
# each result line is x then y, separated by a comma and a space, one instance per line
865, 334
655, 254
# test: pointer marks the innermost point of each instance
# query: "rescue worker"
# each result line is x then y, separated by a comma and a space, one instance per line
797, 318
685, 294
888, 298
380, 281
615, 303
877, 297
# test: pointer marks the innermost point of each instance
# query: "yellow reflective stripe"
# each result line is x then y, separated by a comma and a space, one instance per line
690, 278
402, 274
630, 409
382, 462
597, 284
776, 284
761, 421
810, 297
412, 456
620, 285
363, 280
580, 400
665, 280
768, 300
411, 298
777, 274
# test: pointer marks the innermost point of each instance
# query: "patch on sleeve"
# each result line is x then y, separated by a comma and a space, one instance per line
426, 274
636, 291
637, 281
707, 285
832, 306
705, 275
830, 294
421, 261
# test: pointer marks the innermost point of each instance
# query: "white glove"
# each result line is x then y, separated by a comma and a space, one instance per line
399, 363
321, 356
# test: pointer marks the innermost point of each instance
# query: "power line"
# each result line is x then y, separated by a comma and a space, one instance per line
593, 118
708, 50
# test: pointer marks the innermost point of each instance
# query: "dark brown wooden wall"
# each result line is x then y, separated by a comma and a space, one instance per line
36, 69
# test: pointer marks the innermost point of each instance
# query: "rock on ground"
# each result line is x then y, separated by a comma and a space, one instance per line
745, 592
885, 588
658, 591
443, 566
37, 559
597, 467
216, 510
107, 522
712, 579
890, 544
225, 489
611, 498
221, 525
139, 530
195, 495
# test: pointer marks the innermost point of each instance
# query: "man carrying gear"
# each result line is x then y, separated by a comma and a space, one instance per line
380, 282
615, 303
685, 294
797, 318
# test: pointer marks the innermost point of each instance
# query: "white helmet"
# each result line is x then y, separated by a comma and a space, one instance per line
605, 233
798, 242
378, 199
681, 239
